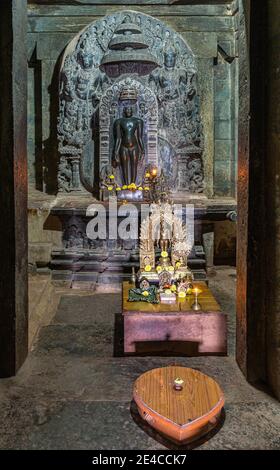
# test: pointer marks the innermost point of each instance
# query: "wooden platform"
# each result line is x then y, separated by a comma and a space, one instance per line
153, 323
182, 416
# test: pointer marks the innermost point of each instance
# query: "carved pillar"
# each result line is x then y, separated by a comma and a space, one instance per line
13, 183
206, 84
76, 180
208, 244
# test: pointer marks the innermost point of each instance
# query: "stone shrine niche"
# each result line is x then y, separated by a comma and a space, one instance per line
135, 59
128, 92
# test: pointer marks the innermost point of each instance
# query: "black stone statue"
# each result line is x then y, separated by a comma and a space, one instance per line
128, 145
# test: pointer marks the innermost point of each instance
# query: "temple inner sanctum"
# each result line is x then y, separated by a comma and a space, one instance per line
139, 173
136, 98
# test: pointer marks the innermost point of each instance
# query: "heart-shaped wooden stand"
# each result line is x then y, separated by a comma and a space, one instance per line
185, 413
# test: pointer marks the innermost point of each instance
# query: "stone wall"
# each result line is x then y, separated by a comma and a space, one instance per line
210, 31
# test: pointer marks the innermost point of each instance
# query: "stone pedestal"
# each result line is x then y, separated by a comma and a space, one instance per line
110, 261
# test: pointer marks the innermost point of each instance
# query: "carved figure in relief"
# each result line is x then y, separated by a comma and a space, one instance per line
64, 175
129, 145
175, 118
195, 175
90, 80
174, 86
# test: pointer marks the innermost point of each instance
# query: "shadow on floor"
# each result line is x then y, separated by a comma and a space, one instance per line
155, 348
161, 439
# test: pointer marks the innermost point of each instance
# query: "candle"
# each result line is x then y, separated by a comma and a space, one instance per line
154, 172
196, 306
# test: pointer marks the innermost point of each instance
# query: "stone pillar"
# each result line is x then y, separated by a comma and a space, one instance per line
13, 183
251, 240
206, 83
208, 245
272, 199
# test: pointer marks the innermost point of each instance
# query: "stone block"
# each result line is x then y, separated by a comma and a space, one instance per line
222, 178
39, 253
31, 44
150, 7
228, 47
223, 150
222, 90
179, 23
225, 242
203, 45
42, 227
222, 110
43, 303
223, 130
62, 279
51, 46
222, 71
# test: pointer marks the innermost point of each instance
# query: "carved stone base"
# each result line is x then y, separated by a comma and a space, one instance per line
96, 262
107, 267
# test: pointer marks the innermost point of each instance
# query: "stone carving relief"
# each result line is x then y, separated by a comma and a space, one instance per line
111, 108
167, 99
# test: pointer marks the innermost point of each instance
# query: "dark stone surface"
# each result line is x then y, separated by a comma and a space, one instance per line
252, 236
52, 25
74, 393
13, 183
73, 425
81, 309
77, 425
272, 196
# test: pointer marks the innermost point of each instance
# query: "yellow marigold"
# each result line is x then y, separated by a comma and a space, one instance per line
178, 264
140, 188
173, 288
110, 188
170, 269
111, 177
146, 188
132, 185
118, 188
124, 186
182, 294
164, 254
145, 293
147, 175
159, 269
148, 268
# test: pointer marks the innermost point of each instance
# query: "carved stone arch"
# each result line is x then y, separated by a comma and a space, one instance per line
111, 107
84, 81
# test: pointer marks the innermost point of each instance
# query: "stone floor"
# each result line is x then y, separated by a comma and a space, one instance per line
74, 391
